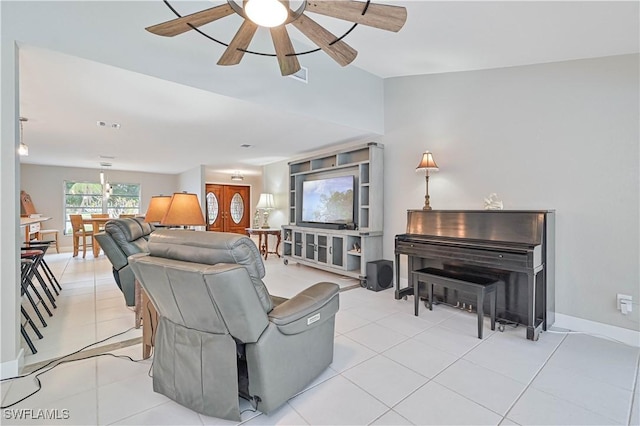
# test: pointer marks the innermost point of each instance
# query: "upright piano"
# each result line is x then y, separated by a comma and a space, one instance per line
515, 246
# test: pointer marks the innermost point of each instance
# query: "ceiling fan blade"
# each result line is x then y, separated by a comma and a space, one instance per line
382, 16
339, 51
282, 43
180, 25
233, 55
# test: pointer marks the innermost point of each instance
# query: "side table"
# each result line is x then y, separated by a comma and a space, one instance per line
263, 245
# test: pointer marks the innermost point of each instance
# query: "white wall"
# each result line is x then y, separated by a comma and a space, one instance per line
192, 181
276, 177
560, 136
45, 184
10, 356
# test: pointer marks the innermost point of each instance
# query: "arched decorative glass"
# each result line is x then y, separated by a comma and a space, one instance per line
237, 208
212, 207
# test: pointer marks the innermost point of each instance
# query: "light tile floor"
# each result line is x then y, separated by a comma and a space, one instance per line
389, 368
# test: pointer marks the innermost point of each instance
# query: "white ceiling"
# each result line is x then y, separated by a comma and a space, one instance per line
64, 96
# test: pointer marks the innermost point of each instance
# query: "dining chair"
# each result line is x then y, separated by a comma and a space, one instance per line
79, 231
124, 216
54, 232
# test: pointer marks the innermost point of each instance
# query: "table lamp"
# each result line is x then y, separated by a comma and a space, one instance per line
157, 208
265, 203
184, 210
427, 163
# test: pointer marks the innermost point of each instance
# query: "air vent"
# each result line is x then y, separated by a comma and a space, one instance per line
104, 164
302, 75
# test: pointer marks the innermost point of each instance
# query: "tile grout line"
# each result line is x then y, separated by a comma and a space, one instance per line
429, 379
534, 377
566, 401
461, 357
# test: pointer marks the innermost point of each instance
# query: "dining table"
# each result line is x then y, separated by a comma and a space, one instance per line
96, 223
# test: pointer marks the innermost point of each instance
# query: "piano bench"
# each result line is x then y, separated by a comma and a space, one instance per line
461, 281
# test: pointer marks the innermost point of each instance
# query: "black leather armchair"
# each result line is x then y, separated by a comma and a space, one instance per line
120, 239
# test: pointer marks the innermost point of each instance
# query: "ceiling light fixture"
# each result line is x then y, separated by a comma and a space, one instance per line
23, 149
266, 13
236, 176
385, 17
107, 189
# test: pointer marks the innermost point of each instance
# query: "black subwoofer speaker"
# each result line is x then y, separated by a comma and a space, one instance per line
379, 275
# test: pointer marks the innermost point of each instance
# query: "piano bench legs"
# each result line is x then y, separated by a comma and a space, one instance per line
461, 281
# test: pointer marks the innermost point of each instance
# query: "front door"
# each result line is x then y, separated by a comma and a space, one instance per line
228, 208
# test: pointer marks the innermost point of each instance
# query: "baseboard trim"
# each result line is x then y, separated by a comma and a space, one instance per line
12, 368
630, 337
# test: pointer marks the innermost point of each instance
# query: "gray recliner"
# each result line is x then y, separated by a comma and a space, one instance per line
120, 239
221, 334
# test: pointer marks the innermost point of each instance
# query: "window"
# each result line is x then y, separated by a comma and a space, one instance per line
87, 197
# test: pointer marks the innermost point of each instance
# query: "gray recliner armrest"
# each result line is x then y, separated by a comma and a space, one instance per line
307, 309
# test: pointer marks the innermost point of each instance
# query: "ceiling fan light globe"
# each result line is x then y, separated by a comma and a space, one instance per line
266, 13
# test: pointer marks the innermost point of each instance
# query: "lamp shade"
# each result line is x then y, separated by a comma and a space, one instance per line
184, 210
427, 162
157, 208
266, 201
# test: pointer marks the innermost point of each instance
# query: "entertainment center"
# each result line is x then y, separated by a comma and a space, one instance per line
336, 210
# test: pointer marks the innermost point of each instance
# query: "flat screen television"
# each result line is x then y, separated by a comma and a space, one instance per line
328, 201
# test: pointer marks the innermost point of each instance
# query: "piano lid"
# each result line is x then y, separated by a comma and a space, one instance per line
515, 226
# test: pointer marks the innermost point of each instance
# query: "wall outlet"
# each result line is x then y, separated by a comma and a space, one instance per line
624, 303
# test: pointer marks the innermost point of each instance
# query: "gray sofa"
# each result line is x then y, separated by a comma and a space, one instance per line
221, 334
120, 239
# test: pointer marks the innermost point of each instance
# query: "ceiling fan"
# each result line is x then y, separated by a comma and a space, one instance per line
277, 14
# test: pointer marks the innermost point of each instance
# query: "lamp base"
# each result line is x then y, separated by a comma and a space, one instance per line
265, 220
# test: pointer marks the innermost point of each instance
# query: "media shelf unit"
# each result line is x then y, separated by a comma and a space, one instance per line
343, 251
